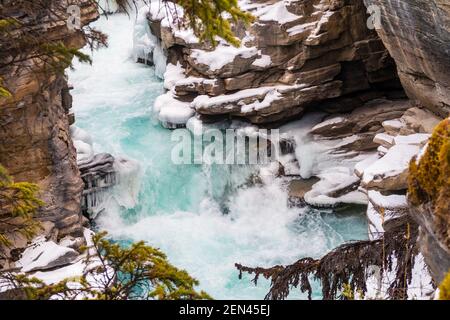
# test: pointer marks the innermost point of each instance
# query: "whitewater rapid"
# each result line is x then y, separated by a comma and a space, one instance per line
181, 208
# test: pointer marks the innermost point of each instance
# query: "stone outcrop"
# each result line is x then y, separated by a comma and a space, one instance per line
297, 55
360, 157
428, 195
434, 249
331, 147
417, 35
35, 143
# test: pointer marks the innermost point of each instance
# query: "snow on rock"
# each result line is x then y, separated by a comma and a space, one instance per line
315, 154
301, 28
364, 164
164, 14
173, 74
394, 126
231, 101
43, 255
323, 158
71, 242
269, 98
382, 150
393, 201
73, 270
77, 269
386, 208
384, 139
418, 139
276, 12
276, 49
336, 186
172, 112
390, 172
223, 55
262, 62
329, 122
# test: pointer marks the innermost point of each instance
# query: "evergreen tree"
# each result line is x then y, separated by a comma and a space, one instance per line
113, 272
18, 202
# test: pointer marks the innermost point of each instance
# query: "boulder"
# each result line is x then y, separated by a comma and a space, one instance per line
391, 171
44, 255
297, 189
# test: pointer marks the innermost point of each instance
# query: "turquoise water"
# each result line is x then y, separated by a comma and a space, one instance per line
180, 209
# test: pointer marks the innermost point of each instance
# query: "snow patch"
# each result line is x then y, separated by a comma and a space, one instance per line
393, 201
262, 62
332, 180
171, 111
418, 139
394, 163
222, 55
42, 254
277, 12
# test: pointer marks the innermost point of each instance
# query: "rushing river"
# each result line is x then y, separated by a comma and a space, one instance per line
180, 208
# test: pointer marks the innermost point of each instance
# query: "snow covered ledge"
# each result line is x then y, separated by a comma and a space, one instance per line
224, 70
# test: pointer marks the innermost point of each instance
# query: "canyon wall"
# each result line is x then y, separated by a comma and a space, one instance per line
35, 144
417, 35
296, 55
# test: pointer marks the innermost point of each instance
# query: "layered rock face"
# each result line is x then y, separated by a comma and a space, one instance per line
35, 143
429, 191
417, 35
297, 55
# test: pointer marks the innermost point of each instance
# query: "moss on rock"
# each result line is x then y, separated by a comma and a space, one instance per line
429, 179
444, 288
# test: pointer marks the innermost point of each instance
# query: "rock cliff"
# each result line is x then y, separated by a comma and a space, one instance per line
35, 143
417, 35
297, 55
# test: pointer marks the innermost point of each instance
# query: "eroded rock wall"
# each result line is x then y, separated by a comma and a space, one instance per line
417, 35
35, 143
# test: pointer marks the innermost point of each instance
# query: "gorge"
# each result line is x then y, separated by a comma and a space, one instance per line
353, 106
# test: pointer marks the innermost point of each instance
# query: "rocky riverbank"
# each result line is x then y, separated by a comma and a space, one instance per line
318, 60
35, 142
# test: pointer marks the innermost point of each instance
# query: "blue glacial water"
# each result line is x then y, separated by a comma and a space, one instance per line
180, 208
